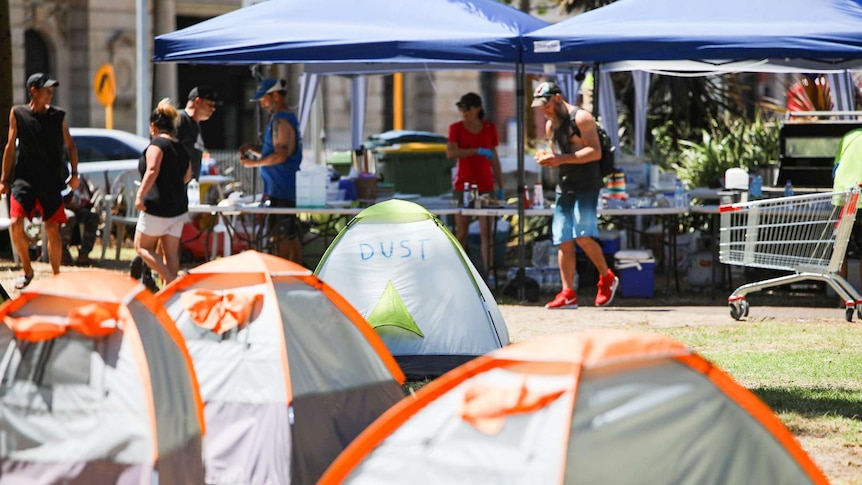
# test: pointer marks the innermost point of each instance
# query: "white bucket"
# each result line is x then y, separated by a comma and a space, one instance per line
736, 178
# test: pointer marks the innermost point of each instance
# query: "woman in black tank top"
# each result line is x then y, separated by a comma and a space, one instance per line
162, 197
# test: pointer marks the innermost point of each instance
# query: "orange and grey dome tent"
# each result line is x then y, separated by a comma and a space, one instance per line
602, 406
289, 372
97, 386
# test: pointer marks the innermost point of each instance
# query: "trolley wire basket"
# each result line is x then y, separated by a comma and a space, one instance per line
806, 235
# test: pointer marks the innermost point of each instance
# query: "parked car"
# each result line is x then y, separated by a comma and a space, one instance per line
104, 154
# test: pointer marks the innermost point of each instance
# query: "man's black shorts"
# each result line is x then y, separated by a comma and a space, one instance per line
283, 225
854, 247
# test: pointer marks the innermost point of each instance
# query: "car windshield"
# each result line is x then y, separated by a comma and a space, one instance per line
99, 148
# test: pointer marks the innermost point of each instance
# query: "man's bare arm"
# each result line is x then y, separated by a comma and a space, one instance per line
9, 153
73, 155
283, 142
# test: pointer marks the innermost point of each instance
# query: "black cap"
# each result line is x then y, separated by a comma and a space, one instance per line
204, 92
543, 93
40, 80
469, 100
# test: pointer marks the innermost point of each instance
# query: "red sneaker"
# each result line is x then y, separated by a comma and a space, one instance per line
608, 284
565, 299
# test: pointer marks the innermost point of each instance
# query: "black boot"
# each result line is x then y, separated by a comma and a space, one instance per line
148, 281
136, 268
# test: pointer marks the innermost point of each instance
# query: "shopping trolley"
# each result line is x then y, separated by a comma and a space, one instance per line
804, 234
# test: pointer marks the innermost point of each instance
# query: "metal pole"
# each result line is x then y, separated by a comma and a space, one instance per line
258, 128
520, 113
143, 71
596, 75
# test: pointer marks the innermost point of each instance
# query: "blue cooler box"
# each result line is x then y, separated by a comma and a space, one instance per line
610, 241
636, 270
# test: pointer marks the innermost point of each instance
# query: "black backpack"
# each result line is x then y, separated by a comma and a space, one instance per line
606, 163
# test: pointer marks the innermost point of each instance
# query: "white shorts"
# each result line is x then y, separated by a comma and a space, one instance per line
156, 226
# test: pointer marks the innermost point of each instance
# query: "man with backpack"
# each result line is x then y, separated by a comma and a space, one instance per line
576, 149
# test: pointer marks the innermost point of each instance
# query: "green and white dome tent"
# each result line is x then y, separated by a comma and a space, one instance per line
406, 273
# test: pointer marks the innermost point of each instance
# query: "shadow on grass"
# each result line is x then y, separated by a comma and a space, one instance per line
813, 402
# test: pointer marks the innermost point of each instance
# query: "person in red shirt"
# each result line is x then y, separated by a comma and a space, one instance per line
473, 141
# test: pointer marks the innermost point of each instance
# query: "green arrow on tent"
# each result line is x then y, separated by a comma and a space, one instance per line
391, 311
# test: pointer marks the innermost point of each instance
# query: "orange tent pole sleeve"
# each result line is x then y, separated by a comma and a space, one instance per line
173, 332
577, 368
285, 368
13, 305
395, 416
134, 338
758, 410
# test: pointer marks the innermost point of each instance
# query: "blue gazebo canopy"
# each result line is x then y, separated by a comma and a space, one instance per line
822, 31
367, 35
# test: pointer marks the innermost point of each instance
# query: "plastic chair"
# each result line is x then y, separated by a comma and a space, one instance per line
121, 198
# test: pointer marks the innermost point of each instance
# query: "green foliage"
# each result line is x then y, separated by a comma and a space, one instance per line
727, 142
570, 6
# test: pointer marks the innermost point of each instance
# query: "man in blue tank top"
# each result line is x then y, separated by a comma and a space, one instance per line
279, 160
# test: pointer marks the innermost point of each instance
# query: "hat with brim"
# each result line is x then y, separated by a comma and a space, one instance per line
269, 85
469, 100
541, 101
204, 92
543, 93
41, 80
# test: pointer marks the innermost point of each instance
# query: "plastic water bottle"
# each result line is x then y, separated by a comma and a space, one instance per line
755, 187
207, 164
465, 202
788, 188
679, 195
194, 192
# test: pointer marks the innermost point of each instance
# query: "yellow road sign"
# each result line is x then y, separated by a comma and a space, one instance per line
104, 85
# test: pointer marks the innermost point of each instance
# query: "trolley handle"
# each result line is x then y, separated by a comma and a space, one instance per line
730, 207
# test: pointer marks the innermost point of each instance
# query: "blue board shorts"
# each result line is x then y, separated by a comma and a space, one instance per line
575, 215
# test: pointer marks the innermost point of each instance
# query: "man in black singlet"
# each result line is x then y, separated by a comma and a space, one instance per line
575, 149
201, 104
38, 178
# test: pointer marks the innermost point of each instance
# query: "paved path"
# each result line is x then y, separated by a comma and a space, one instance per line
525, 321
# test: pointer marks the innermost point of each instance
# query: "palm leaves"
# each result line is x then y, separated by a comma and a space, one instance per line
810, 93
729, 142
